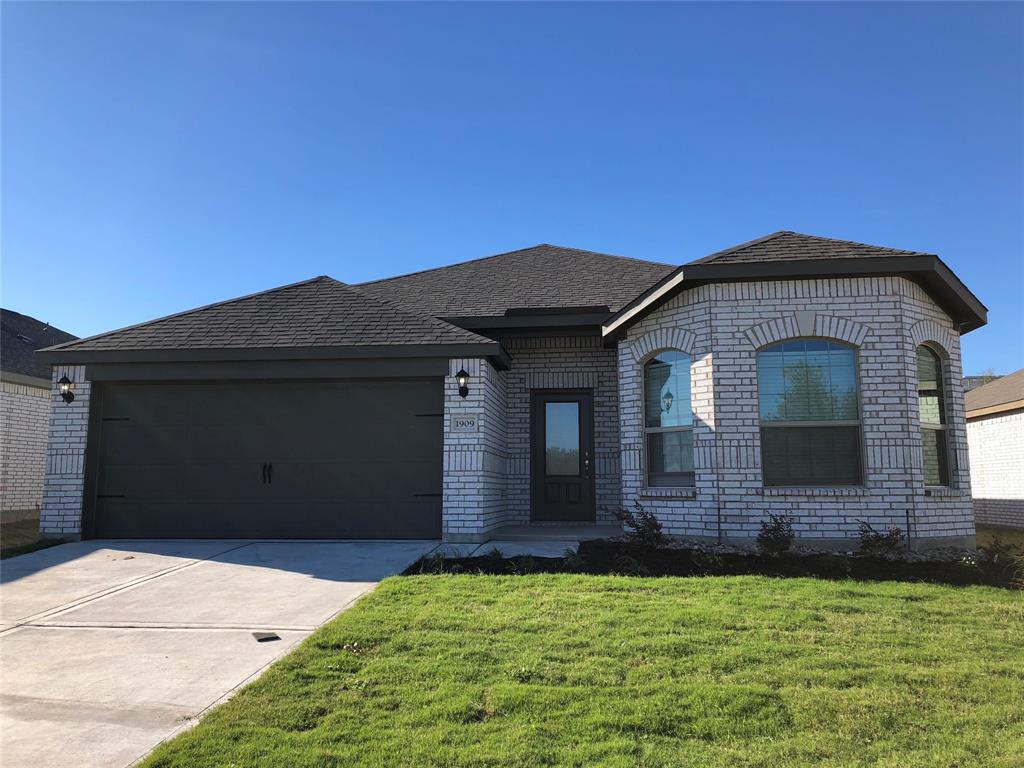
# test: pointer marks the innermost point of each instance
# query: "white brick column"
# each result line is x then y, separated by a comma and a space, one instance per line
475, 457
61, 514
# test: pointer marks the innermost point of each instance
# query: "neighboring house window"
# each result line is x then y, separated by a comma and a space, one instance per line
810, 423
931, 407
668, 420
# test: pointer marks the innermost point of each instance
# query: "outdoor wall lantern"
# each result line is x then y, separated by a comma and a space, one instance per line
67, 388
666, 400
462, 379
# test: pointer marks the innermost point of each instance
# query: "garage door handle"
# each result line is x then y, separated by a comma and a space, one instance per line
270, 473
264, 473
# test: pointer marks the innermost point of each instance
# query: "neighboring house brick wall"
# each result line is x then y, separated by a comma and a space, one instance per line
25, 413
475, 462
724, 325
65, 459
997, 468
562, 362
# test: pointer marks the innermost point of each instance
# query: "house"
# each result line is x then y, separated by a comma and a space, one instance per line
547, 386
995, 439
25, 411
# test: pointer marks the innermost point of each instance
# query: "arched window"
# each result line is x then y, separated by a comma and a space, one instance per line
931, 408
810, 418
668, 420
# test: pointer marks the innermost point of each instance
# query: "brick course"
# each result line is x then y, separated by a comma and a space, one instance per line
65, 460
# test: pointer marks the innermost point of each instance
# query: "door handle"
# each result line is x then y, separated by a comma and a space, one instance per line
264, 473
586, 464
270, 473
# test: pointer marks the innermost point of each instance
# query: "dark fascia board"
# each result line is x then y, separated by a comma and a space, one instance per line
553, 320
491, 351
13, 377
272, 370
928, 271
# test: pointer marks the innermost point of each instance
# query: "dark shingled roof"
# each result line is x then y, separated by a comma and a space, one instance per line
793, 246
1001, 391
541, 277
20, 336
313, 313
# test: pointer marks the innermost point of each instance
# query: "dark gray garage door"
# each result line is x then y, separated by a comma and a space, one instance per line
269, 460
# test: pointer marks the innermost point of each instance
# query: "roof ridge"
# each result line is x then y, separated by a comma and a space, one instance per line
509, 253
191, 311
758, 240
854, 242
740, 246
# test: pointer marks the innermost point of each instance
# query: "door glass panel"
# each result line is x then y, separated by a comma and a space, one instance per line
562, 438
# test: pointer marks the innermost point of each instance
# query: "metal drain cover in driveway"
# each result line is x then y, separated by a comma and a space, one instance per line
265, 637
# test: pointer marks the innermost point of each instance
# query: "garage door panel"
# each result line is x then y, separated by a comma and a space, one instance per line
349, 460
311, 520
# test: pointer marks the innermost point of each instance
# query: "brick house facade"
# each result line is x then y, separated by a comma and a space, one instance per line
25, 405
995, 436
542, 416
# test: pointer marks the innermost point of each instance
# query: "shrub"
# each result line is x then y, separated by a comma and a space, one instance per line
999, 562
876, 543
776, 535
645, 527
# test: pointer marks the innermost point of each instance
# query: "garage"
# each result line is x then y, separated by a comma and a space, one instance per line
266, 459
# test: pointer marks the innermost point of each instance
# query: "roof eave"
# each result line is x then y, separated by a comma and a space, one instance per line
940, 281
489, 350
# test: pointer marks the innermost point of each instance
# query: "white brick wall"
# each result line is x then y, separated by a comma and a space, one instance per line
24, 416
723, 325
65, 459
996, 446
475, 463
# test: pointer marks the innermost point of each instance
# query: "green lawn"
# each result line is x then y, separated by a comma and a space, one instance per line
1009, 535
615, 671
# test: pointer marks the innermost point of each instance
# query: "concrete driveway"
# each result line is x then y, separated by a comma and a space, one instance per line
109, 647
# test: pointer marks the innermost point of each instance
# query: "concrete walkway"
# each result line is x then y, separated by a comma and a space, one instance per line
108, 648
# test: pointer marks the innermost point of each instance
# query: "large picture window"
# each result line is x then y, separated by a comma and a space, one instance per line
668, 420
810, 420
931, 407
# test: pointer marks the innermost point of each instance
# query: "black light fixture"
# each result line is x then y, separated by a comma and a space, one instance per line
462, 379
67, 389
666, 400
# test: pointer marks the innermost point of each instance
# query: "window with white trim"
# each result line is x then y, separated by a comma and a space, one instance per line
809, 413
931, 409
668, 420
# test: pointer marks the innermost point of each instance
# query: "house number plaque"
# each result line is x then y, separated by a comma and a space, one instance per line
463, 423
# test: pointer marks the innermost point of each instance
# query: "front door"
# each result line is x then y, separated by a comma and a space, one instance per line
562, 442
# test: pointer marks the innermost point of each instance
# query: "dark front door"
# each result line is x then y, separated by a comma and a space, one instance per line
562, 437
347, 459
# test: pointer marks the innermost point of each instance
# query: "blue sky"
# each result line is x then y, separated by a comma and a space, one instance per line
158, 157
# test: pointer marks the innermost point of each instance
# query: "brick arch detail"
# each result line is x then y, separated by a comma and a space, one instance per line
927, 331
662, 339
807, 324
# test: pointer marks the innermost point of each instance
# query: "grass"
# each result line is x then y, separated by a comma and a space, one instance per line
22, 536
986, 533
557, 670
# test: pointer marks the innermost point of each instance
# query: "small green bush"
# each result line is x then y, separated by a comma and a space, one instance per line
776, 535
878, 544
645, 528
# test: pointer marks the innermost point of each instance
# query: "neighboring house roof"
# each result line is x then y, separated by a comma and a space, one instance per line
314, 314
1003, 394
541, 277
791, 255
20, 337
793, 246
